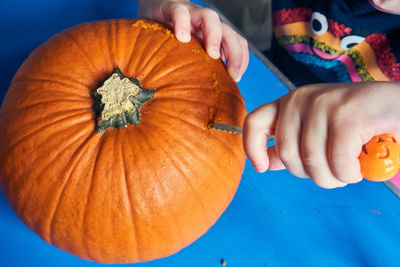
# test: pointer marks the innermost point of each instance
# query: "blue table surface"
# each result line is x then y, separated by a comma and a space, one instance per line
275, 219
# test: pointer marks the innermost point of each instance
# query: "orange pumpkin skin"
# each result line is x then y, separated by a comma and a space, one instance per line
123, 195
380, 158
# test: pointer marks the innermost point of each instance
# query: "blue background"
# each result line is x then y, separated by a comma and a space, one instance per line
275, 218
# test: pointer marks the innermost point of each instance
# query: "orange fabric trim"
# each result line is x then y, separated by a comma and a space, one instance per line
369, 59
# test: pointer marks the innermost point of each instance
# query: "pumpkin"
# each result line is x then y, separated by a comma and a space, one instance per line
105, 149
380, 158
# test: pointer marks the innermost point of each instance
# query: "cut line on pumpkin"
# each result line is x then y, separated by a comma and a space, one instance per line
156, 27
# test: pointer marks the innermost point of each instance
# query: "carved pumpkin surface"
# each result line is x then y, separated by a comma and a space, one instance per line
123, 182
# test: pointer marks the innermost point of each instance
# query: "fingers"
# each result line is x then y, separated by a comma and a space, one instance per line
212, 31
313, 150
220, 40
275, 162
181, 20
344, 147
245, 56
258, 125
287, 138
235, 50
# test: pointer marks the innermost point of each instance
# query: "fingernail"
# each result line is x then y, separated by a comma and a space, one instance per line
235, 76
259, 167
214, 52
183, 36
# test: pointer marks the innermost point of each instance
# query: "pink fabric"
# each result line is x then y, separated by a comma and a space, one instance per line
396, 180
345, 59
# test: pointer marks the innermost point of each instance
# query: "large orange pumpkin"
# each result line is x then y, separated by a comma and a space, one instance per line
120, 167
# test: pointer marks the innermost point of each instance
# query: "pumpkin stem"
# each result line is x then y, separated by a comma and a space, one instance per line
118, 100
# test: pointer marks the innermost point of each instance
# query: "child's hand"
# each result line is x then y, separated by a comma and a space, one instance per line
186, 18
320, 129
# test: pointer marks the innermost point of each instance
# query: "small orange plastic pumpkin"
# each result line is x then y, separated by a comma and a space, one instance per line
380, 158
105, 150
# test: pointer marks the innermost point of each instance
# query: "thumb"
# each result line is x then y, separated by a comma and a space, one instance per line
258, 125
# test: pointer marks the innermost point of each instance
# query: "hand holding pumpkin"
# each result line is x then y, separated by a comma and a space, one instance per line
186, 18
320, 129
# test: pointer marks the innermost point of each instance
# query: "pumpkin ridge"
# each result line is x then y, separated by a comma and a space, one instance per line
170, 100
194, 146
235, 96
76, 44
225, 143
187, 182
72, 164
161, 189
99, 46
40, 80
108, 42
161, 122
120, 52
84, 225
54, 101
66, 81
128, 194
27, 182
137, 194
163, 72
133, 51
182, 121
185, 177
174, 88
148, 56
36, 131
114, 30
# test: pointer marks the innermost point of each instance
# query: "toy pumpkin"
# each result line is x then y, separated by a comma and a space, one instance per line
104, 146
380, 158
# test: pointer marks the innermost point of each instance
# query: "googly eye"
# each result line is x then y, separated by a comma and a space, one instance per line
319, 23
350, 41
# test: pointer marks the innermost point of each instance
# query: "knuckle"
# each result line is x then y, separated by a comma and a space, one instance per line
176, 6
339, 160
210, 14
235, 62
251, 121
310, 161
340, 113
285, 154
318, 101
255, 119
228, 29
344, 171
244, 42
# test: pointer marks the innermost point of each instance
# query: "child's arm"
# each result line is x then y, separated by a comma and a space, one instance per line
187, 18
320, 129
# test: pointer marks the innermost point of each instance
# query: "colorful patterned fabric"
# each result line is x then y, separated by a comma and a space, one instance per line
344, 40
